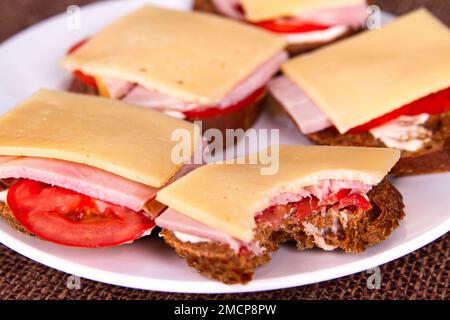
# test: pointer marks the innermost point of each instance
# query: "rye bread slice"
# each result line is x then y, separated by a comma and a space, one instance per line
218, 261
293, 48
434, 157
243, 118
6, 215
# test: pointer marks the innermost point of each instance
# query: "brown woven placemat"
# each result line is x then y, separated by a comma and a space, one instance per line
423, 274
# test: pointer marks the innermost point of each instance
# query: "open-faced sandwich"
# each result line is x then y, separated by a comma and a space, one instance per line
190, 65
84, 171
305, 24
382, 88
226, 219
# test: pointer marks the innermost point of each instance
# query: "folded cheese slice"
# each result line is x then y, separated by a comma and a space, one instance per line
228, 196
366, 76
257, 10
188, 55
132, 142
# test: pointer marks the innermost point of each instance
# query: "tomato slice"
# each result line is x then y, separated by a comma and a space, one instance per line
77, 46
307, 206
310, 205
355, 199
291, 25
274, 215
66, 217
338, 196
435, 103
86, 79
206, 112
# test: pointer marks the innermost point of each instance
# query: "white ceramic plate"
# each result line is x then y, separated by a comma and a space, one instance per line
30, 61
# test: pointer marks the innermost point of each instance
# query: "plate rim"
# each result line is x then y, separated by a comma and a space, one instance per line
211, 286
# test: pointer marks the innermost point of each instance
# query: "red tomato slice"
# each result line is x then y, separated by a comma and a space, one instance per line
291, 25
355, 199
434, 103
86, 79
338, 196
77, 46
274, 215
206, 112
66, 217
306, 207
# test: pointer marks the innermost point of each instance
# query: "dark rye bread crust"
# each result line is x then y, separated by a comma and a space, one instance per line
293, 48
7, 215
243, 118
218, 261
433, 158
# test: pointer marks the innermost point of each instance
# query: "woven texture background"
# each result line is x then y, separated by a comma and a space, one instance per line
423, 274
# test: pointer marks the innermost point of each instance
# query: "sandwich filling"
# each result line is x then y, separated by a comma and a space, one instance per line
84, 171
75, 204
402, 128
297, 24
319, 209
244, 94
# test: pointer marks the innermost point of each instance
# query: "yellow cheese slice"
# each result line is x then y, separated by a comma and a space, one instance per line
189, 55
127, 140
375, 72
257, 10
227, 196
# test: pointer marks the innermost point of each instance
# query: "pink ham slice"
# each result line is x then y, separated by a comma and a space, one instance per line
153, 99
256, 80
81, 178
6, 159
117, 89
176, 221
229, 8
298, 105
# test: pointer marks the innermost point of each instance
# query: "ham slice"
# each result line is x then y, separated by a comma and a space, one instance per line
176, 221
153, 99
321, 191
117, 89
81, 178
229, 8
298, 105
256, 80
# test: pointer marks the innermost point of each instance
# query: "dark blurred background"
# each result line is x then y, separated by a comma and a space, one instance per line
16, 15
